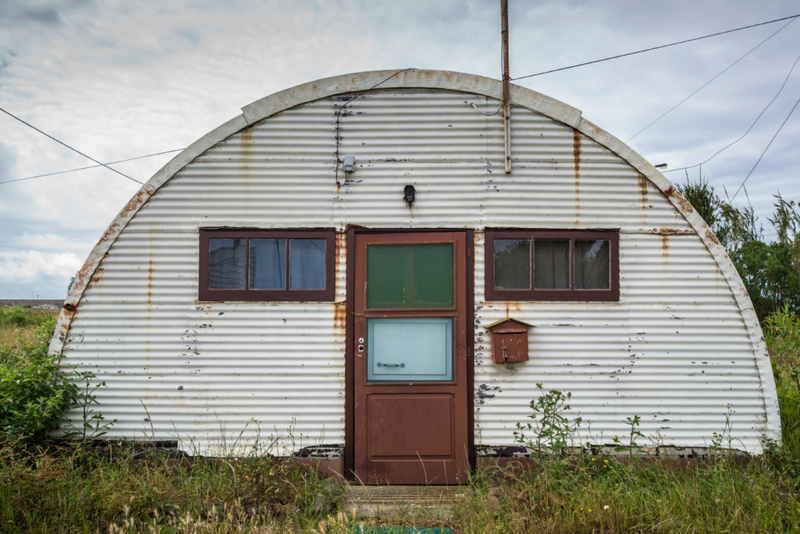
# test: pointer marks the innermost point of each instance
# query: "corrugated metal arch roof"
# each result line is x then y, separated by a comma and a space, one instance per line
442, 80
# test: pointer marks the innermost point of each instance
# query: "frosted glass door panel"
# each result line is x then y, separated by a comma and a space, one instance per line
410, 350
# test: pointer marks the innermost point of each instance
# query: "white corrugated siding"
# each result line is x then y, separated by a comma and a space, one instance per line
674, 350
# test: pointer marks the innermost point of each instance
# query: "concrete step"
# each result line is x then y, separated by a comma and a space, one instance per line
403, 501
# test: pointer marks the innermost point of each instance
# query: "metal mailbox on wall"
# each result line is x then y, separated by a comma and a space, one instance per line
509, 340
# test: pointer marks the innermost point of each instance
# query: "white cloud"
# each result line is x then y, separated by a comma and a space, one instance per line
124, 79
53, 243
45, 274
30, 264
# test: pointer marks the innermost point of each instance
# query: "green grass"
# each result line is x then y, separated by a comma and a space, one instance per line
119, 489
578, 496
78, 489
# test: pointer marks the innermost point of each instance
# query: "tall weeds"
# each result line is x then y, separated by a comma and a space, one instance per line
85, 489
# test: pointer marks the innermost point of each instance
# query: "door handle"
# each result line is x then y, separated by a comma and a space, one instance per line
391, 364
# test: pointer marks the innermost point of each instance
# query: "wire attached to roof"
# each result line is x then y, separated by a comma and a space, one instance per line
718, 152
69, 147
90, 166
670, 110
654, 48
765, 151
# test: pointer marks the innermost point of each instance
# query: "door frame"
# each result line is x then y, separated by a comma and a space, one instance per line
349, 373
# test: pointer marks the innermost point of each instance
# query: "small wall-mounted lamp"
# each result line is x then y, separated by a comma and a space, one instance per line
661, 166
349, 164
409, 194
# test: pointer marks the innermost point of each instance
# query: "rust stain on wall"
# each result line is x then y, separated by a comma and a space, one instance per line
98, 274
149, 280
684, 204
643, 191
246, 143
340, 308
671, 231
665, 245
576, 154
711, 237
339, 319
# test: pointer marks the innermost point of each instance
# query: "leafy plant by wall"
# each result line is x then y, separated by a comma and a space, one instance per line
36, 392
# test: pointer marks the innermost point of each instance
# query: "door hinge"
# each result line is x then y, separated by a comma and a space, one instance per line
358, 314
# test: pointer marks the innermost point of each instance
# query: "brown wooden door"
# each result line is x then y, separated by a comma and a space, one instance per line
411, 405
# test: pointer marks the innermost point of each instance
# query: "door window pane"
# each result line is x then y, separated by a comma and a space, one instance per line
551, 264
306, 264
410, 349
267, 264
410, 276
226, 263
512, 263
433, 275
592, 264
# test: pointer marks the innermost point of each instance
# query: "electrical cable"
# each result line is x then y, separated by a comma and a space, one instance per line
339, 111
654, 48
90, 166
670, 110
748, 130
69, 147
765, 150
495, 112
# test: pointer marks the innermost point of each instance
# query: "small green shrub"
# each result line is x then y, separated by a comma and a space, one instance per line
550, 430
36, 392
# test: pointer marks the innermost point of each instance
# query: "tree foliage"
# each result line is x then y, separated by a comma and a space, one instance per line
770, 271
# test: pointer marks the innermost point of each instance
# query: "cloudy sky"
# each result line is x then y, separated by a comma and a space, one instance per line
127, 78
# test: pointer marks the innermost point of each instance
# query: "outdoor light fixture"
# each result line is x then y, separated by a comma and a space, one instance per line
409, 194
661, 166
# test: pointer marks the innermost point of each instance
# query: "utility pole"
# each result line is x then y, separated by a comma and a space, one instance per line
506, 81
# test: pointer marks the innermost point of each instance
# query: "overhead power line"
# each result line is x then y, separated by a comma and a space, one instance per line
69, 147
655, 48
91, 166
718, 152
670, 110
765, 150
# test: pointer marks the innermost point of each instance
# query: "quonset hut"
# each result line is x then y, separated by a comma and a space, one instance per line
326, 264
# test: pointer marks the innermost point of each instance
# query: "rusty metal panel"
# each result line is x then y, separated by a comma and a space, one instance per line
674, 349
206, 373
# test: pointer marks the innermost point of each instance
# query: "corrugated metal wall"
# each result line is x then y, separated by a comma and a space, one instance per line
674, 350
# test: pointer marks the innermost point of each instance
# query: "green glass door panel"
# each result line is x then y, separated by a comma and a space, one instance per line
410, 276
418, 349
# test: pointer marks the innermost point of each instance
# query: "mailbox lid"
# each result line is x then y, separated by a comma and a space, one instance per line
509, 325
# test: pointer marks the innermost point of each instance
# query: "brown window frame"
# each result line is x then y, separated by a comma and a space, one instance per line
328, 294
571, 294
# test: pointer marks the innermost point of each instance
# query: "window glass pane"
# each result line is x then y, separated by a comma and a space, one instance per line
551, 264
410, 276
226, 263
592, 266
512, 263
410, 350
267, 264
307, 263
433, 275
386, 276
